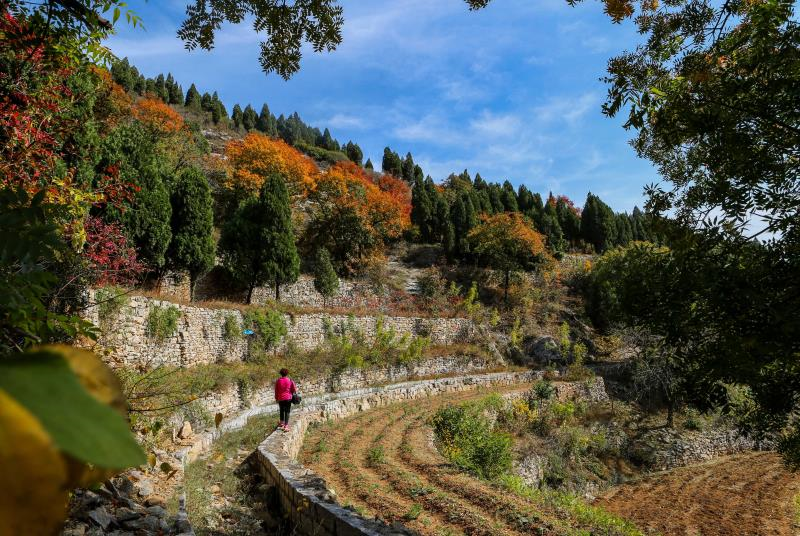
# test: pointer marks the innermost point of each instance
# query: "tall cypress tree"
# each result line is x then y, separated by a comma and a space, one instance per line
193, 100
464, 219
237, 116
326, 282
408, 168
509, 198
249, 118
597, 224
421, 210
368, 165
192, 246
257, 243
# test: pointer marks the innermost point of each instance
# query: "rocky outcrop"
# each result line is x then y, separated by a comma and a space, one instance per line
118, 508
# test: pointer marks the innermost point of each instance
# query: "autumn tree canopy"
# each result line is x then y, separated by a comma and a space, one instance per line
508, 243
257, 156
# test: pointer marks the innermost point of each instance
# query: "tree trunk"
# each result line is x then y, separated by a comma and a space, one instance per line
670, 413
250, 293
192, 281
277, 290
505, 287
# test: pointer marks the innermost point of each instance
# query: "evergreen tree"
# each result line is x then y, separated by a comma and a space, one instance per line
568, 220
326, 282
391, 163
353, 152
496, 198
161, 88
551, 229
524, 199
509, 198
121, 74
237, 116
249, 118
464, 219
266, 122
368, 165
193, 101
408, 168
140, 87
192, 246
257, 243
480, 184
206, 102
597, 224
148, 221
418, 174
326, 141
421, 210
174, 91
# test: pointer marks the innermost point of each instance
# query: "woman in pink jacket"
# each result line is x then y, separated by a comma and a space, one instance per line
284, 389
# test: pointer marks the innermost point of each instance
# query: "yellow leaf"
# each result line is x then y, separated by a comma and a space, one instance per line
95, 376
34, 475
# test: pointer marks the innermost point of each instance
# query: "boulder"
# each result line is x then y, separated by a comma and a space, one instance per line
543, 350
186, 430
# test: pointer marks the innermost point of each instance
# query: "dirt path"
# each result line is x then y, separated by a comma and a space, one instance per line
744, 495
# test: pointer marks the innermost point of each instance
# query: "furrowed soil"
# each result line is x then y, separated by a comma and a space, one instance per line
743, 495
384, 464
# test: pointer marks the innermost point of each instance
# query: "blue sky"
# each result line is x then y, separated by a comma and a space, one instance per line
511, 91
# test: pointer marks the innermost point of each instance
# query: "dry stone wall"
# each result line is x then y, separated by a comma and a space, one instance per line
200, 337
300, 293
232, 399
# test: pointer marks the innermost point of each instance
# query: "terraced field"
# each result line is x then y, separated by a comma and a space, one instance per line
383, 462
744, 494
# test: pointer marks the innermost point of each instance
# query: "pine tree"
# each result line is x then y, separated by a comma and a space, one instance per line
257, 243
368, 165
249, 118
161, 88
326, 282
391, 163
509, 198
192, 246
266, 121
353, 152
148, 221
174, 91
464, 219
193, 101
496, 198
206, 102
408, 168
597, 224
421, 210
551, 229
237, 116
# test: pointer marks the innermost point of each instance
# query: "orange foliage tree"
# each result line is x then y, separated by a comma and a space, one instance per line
157, 115
354, 216
257, 156
507, 242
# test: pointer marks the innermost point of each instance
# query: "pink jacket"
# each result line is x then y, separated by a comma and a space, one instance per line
284, 387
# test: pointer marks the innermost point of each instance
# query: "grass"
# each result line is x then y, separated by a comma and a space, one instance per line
376, 456
215, 468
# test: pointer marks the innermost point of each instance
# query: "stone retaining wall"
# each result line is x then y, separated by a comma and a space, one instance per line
301, 293
668, 449
232, 399
303, 496
200, 338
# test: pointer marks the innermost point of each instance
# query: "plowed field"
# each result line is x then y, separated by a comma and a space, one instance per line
743, 495
383, 462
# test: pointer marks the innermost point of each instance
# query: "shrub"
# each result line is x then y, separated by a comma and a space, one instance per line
414, 350
231, 330
110, 302
162, 322
468, 440
269, 328
541, 391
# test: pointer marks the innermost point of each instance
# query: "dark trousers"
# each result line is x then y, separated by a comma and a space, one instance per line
285, 407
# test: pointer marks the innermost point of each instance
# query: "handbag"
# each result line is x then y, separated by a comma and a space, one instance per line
296, 398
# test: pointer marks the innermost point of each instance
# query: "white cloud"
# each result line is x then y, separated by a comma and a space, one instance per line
341, 120
496, 125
